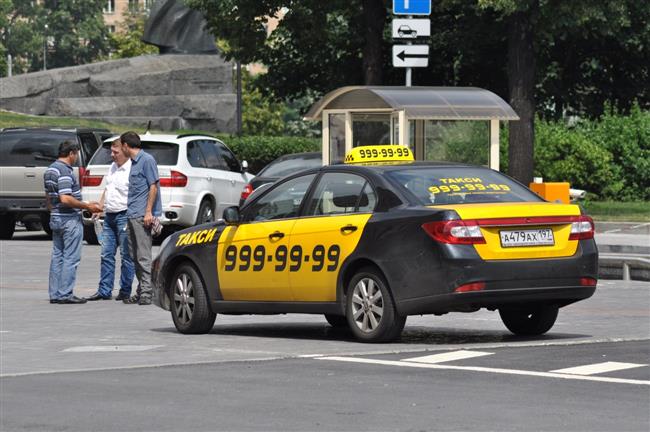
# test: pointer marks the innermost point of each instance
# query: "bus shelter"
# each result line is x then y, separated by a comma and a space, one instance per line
459, 124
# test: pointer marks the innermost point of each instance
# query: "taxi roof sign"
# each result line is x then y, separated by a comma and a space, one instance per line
379, 154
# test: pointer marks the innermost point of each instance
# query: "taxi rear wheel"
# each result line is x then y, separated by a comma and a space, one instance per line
370, 310
529, 321
189, 303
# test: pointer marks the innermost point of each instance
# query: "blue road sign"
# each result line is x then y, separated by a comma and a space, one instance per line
412, 7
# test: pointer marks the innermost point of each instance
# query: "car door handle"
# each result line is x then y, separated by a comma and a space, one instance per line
348, 229
232, 182
30, 175
276, 235
209, 178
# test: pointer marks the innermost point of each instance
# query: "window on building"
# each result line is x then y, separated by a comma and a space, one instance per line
109, 7
111, 29
134, 5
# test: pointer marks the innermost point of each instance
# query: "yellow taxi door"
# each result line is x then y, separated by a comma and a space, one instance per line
253, 257
328, 233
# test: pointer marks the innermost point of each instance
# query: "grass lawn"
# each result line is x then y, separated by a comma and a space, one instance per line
637, 211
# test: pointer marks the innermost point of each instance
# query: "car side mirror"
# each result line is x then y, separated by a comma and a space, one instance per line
244, 166
231, 215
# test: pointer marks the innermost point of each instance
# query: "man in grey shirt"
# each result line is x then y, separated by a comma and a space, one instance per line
143, 205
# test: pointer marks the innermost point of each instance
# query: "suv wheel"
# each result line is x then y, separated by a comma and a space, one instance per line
205, 214
7, 226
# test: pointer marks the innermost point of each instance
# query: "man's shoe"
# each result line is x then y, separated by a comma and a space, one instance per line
72, 300
98, 296
54, 301
121, 296
144, 301
132, 300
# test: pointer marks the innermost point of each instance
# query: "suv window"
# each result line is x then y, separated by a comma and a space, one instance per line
89, 143
285, 166
227, 157
282, 202
211, 154
195, 156
164, 153
339, 193
31, 147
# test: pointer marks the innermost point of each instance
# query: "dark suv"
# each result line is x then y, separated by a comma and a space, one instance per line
25, 154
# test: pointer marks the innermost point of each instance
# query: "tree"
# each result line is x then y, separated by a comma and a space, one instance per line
317, 45
77, 31
21, 34
127, 40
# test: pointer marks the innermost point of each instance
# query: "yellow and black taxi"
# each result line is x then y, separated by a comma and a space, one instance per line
369, 244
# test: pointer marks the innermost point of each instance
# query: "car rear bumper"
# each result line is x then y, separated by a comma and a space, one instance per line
23, 205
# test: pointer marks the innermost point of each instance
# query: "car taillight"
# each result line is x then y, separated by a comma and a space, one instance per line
176, 179
475, 286
582, 228
248, 189
587, 281
89, 180
455, 231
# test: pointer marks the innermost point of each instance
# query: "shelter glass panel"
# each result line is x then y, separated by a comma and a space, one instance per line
457, 141
370, 129
337, 137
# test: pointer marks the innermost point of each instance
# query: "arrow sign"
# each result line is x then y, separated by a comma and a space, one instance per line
410, 55
412, 7
411, 28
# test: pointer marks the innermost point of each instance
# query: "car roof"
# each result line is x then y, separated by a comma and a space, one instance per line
53, 129
384, 167
167, 138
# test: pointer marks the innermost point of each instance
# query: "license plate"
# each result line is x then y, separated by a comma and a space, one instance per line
536, 237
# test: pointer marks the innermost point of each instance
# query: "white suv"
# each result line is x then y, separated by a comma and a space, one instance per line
199, 178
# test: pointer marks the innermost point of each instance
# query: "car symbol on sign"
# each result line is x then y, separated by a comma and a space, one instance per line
405, 31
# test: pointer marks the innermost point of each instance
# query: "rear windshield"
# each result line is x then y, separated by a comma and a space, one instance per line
460, 185
284, 167
31, 148
163, 153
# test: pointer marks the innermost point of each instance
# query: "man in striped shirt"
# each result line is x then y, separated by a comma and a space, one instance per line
64, 202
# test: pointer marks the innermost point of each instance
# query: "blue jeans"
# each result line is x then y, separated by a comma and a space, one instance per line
67, 238
114, 235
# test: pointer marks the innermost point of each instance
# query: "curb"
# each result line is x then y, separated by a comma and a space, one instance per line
624, 266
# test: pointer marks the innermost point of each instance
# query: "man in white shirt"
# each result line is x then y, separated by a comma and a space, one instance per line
115, 234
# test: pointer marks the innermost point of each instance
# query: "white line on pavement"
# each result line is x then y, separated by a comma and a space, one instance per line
488, 370
598, 368
449, 356
112, 348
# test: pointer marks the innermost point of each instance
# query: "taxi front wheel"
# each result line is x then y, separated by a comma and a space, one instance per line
370, 309
530, 320
189, 303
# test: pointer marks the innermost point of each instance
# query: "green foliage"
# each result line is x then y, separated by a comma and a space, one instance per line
570, 154
260, 114
22, 34
260, 150
75, 30
127, 40
627, 138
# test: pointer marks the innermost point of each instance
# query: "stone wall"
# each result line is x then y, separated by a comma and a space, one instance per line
173, 91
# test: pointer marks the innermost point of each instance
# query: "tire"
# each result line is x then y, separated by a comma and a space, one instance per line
90, 236
33, 226
7, 226
189, 304
336, 321
369, 308
205, 214
45, 223
532, 320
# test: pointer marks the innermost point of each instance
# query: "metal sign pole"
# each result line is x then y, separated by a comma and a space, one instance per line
408, 77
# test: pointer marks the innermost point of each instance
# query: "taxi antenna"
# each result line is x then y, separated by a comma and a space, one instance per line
148, 127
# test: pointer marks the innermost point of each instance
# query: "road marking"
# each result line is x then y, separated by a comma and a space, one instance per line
598, 368
488, 370
446, 357
112, 348
612, 231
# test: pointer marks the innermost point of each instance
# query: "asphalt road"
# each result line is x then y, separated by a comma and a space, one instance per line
115, 367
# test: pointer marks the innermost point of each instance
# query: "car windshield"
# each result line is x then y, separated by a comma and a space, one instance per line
163, 153
31, 147
284, 167
460, 185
